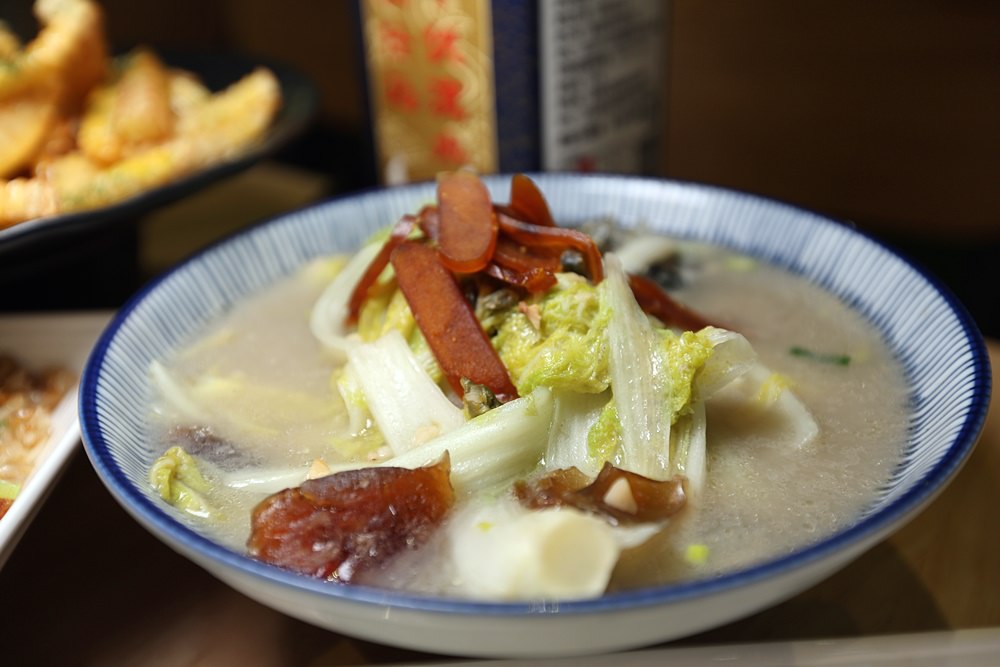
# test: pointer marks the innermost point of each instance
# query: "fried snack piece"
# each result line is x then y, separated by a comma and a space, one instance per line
26, 120
132, 112
144, 170
235, 116
186, 91
43, 84
221, 126
10, 44
70, 49
71, 172
61, 140
25, 199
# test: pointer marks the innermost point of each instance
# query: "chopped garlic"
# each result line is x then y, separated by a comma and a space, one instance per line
619, 496
533, 312
425, 433
318, 469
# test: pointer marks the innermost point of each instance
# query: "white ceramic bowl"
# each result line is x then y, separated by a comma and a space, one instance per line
938, 345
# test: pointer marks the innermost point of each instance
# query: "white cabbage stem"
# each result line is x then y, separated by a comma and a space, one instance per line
763, 401
175, 394
638, 380
732, 356
409, 408
690, 436
503, 551
640, 252
327, 318
574, 416
488, 451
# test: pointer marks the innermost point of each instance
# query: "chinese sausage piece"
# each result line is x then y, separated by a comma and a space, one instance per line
535, 280
429, 222
400, 231
447, 321
619, 495
514, 256
656, 302
339, 526
468, 225
527, 202
544, 238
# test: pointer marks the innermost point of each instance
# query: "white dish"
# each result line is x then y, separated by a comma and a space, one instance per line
42, 340
938, 345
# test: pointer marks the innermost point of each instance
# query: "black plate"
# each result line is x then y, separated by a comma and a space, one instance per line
216, 70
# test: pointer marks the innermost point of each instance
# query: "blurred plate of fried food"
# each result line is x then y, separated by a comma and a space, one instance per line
89, 138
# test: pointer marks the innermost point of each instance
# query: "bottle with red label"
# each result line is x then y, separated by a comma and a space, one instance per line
513, 85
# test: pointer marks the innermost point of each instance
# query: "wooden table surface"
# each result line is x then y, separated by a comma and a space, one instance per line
88, 586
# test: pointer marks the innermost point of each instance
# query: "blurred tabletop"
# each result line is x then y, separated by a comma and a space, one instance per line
88, 586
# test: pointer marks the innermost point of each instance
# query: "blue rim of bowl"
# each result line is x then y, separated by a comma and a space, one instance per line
161, 524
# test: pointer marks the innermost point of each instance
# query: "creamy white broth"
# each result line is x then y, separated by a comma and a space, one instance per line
762, 497
264, 339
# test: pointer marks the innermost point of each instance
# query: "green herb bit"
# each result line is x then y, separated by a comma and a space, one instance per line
834, 359
8, 490
696, 554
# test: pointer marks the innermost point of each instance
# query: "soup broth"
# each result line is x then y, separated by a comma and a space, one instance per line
765, 492
764, 498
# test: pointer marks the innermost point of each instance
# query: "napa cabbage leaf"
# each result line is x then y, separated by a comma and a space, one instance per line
176, 477
557, 341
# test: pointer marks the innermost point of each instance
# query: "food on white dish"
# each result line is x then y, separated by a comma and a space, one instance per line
483, 404
27, 400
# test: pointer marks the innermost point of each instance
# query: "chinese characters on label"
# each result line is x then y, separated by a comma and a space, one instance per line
431, 80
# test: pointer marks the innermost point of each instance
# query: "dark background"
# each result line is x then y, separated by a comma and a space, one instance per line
885, 114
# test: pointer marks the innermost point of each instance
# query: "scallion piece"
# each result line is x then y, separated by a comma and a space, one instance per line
826, 358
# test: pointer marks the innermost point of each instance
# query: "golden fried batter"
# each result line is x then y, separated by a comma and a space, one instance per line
80, 131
